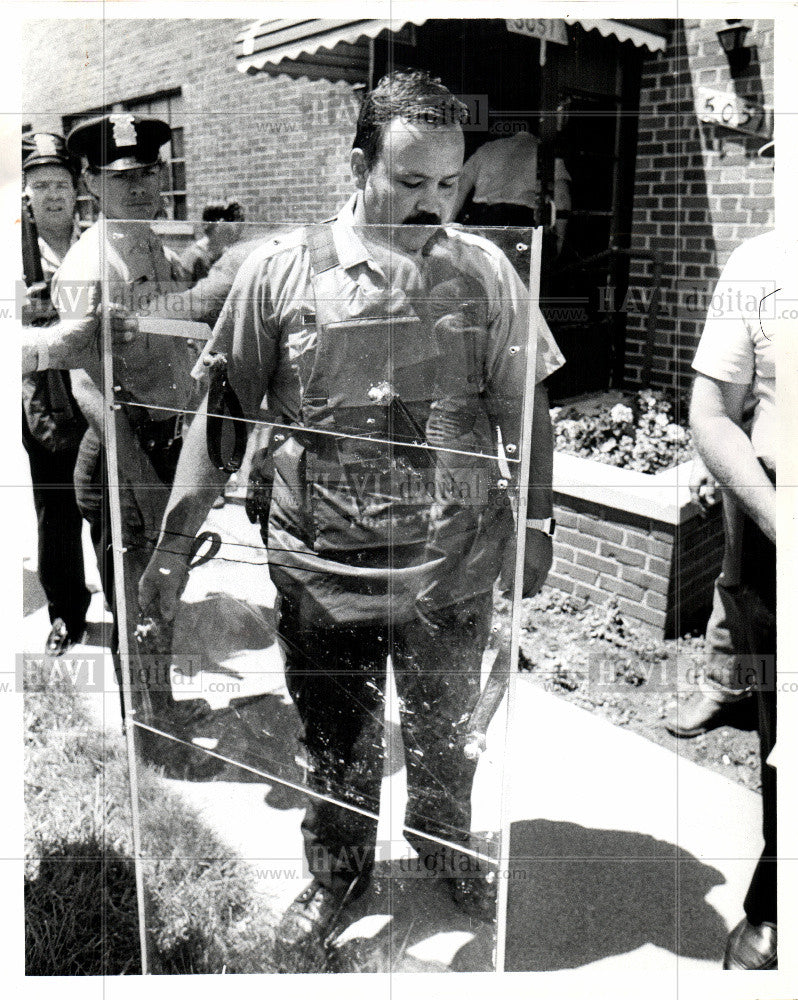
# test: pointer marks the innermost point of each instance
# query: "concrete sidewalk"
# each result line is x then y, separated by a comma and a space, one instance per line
622, 855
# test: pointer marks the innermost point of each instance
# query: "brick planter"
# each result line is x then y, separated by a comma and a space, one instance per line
637, 538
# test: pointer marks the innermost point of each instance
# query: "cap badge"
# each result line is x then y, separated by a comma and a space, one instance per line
124, 130
45, 144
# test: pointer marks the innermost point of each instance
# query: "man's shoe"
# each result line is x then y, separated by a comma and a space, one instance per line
58, 641
309, 920
751, 946
698, 714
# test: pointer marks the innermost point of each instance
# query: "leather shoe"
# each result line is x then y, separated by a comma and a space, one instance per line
307, 923
58, 641
751, 946
697, 714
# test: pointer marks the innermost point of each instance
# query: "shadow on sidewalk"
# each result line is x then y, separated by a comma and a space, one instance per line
581, 894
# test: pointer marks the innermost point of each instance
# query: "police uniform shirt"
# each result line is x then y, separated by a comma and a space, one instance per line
267, 331
504, 171
268, 323
156, 371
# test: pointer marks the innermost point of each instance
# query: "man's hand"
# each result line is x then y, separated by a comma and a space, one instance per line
703, 486
162, 583
537, 563
72, 343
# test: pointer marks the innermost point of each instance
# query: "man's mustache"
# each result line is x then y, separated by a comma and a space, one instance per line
422, 219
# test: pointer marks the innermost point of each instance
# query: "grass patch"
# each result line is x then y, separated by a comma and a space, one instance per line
80, 899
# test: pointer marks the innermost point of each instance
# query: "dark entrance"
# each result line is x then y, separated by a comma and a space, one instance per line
582, 104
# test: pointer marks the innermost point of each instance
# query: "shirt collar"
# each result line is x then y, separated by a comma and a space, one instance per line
47, 253
350, 247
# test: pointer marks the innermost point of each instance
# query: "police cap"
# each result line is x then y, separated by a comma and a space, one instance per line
119, 142
41, 149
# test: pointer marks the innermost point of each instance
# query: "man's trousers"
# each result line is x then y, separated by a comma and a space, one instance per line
336, 678
759, 599
60, 551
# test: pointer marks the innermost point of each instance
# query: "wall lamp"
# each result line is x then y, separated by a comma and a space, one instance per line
732, 41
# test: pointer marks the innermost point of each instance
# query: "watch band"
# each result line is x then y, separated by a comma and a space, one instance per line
42, 354
544, 524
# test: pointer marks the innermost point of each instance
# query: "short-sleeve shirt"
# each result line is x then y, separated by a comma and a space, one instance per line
356, 570
504, 171
750, 307
157, 372
264, 329
196, 260
50, 259
203, 301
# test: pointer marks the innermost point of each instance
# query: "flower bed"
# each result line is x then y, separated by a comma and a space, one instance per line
631, 533
642, 431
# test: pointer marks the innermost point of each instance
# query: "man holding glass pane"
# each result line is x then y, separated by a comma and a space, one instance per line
389, 348
127, 264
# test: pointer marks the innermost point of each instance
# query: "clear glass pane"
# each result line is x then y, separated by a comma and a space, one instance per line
337, 630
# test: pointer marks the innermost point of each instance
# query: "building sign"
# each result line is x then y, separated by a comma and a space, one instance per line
545, 28
727, 109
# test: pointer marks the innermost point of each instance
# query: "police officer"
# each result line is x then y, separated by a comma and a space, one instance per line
362, 572
127, 264
52, 424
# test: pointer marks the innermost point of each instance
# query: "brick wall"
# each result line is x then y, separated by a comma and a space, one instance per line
699, 189
660, 574
278, 146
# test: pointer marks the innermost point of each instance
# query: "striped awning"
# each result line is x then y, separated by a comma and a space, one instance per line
319, 48
644, 34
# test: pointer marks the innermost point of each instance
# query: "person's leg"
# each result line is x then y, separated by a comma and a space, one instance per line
727, 681
437, 664
60, 552
759, 576
752, 944
336, 678
90, 495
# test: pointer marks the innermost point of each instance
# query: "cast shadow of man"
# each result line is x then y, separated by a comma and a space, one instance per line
229, 643
577, 895
235, 721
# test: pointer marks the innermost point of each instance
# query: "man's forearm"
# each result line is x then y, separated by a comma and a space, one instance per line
90, 400
541, 468
727, 450
730, 457
197, 483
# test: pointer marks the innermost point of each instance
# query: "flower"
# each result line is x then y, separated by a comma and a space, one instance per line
621, 414
639, 433
673, 432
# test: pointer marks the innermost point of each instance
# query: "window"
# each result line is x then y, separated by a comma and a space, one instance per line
168, 107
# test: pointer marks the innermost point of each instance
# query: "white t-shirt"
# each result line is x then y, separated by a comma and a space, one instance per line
504, 171
754, 302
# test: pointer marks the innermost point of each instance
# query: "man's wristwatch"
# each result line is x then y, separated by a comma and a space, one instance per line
42, 354
544, 524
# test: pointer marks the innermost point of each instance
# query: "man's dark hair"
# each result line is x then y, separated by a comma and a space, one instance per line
219, 212
412, 95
